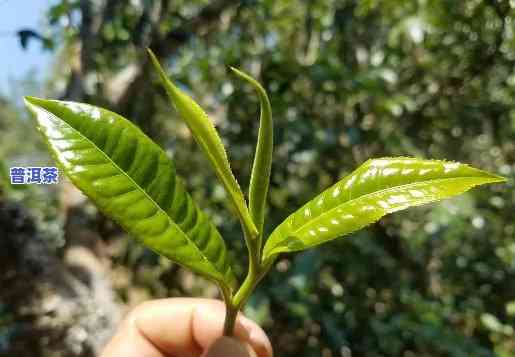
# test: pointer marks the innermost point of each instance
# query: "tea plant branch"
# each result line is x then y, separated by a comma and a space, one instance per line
132, 181
258, 188
255, 273
209, 141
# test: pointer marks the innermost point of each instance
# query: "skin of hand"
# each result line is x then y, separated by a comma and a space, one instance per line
185, 327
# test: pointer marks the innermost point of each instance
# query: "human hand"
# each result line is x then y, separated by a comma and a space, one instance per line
184, 327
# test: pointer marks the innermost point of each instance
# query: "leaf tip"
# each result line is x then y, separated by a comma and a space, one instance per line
151, 54
156, 64
497, 179
32, 103
242, 74
234, 69
490, 177
168, 85
30, 100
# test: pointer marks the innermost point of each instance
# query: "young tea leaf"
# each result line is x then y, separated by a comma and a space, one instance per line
132, 180
260, 177
208, 139
378, 187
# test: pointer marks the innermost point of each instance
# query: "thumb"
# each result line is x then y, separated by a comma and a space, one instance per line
228, 346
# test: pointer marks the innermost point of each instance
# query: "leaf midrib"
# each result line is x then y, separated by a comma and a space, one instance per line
137, 185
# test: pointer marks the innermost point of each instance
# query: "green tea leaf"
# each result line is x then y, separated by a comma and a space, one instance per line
260, 177
209, 141
131, 180
378, 187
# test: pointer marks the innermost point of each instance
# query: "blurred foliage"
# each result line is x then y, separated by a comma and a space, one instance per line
348, 80
20, 146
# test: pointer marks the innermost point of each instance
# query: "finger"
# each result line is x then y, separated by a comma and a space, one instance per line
187, 326
129, 342
182, 327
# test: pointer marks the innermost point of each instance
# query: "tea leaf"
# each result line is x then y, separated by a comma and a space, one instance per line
209, 141
131, 180
378, 187
260, 177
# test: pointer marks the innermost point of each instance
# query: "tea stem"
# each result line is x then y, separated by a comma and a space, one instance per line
231, 312
254, 276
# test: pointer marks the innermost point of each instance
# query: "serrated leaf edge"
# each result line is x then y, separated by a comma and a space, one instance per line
270, 252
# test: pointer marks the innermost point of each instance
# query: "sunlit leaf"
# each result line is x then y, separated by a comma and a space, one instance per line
209, 141
378, 187
132, 181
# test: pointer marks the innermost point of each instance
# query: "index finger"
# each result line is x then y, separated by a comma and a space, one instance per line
180, 327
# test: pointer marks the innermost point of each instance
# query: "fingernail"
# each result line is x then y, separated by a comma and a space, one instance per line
227, 346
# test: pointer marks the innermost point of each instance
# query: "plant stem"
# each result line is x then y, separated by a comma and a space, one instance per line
254, 250
254, 276
245, 289
256, 271
233, 305
231, 312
